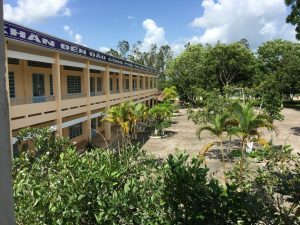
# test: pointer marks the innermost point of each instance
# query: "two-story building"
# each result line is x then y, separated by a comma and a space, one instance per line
66, 86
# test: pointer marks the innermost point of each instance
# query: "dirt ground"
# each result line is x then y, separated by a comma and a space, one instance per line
182, 136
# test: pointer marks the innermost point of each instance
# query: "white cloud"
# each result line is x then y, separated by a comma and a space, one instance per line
154, 35
232, 20
27, 11
130, 17
104, 49
75, 37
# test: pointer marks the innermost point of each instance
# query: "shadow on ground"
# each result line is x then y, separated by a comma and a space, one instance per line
296, 130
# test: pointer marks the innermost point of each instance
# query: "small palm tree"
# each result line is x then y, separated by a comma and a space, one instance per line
219, 125
247, 122
126, 116
160, 114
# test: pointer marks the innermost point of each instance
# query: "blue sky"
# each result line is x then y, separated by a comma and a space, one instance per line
101, 24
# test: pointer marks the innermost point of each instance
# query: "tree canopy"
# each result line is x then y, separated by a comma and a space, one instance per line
294, 16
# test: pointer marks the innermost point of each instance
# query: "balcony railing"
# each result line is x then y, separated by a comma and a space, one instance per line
114, 91
72, 96
31, 100
98, 93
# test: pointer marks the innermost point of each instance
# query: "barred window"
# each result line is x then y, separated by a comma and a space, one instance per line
110, 84
75, 130
99, 83
117, 83
127, 84
13, 61
74, 84
11, 81
51, 84
39, 64
72, 68
141, 83
95, 71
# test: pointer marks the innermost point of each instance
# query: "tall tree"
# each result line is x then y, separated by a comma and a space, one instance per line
233, 63
294, 16
114, 53
281, 59
7, 215
123, 48
190, 70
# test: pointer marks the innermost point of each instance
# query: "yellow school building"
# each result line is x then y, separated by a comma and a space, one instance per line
66, 86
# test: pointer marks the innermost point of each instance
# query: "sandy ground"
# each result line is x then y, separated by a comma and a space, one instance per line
182, 137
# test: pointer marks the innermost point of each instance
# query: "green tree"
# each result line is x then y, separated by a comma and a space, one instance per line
247, 122
113, 52
126, 115
294, 16
191, 70
233, 63
123, 47
161, 113
280, 59
217, 127
169, 94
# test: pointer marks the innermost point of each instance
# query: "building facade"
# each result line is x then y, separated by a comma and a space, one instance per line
68, 87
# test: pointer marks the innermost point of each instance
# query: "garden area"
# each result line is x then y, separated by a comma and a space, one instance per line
221, 148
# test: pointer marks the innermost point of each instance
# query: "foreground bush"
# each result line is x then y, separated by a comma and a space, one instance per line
59, 186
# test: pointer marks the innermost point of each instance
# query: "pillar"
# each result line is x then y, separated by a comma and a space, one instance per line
121, 83
86, 75
57, 92
106, 85
130, 85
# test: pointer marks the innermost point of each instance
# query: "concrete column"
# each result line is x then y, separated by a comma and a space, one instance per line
57, 92
107, 125
106, 85
86, 75
121, 83
130, 85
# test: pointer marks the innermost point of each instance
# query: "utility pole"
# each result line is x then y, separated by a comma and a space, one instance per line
7, 215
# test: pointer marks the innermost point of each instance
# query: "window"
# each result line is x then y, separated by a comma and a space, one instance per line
71, 68
127, 84
151, 82
110, 84
117, 84
75, 130
141, 83
92, 84
74, 84
51, 84
13, 61
11, 81
99, 83
39, 64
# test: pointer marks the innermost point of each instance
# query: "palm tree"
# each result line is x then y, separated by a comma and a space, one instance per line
219, 125
126, 115
160, 114
247, 122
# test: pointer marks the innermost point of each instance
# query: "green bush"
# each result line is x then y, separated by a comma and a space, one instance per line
128, 187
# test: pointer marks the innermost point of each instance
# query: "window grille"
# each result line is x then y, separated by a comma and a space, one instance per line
72, 68
74, 84
39, 64
51, 84
99, 83
75, 130
13, 61
11, 81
